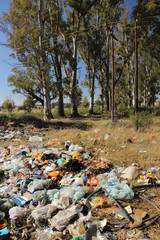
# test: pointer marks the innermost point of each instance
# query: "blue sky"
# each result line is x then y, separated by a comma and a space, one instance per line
7, 63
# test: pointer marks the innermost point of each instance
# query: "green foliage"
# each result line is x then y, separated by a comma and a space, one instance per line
142, 120
3, 119
28, 104
8, 104
156, 111
85, 102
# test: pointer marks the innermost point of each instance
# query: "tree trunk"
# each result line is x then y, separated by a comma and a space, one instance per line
74, 108
129, 88
60, 104
91, 102
106, 91
47, 103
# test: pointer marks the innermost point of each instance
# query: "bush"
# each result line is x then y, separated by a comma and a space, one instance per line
8, 104
156, 111
141, 120
28, 104
85, 102
3, 119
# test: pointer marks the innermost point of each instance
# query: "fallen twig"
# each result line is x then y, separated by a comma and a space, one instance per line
153, 221
147, 186
147, 200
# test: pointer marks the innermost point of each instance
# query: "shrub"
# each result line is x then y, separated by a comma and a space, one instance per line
28, 104
3, 119
141, 120
8, 104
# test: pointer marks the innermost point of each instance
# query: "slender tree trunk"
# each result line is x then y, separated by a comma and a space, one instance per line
74, 107
106, 92
60, 104
91, 103
47, 104
129, 87
46, 95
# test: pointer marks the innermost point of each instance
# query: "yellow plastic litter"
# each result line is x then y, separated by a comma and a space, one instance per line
149, 174
75, 155
38, 156
141, 177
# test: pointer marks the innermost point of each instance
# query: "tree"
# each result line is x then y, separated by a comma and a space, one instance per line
8, 104
27, 37
76, 11
146, 12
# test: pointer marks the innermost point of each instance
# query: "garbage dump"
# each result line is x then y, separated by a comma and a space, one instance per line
50, 192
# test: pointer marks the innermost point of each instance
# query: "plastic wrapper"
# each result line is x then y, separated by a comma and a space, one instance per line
60, 222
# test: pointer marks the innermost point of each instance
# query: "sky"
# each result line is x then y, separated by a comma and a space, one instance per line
7, 63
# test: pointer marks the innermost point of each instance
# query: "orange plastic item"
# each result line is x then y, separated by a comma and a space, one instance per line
96, 136
3, 224
38, 155
92, 182
20, 175
153, 135
98, 202
53, 174
46, 161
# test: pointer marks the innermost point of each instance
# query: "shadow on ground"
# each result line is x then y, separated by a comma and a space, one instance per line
38, 123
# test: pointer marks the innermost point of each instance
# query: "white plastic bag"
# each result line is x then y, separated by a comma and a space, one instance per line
15, 212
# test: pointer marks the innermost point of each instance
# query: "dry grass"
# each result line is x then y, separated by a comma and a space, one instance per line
117, 148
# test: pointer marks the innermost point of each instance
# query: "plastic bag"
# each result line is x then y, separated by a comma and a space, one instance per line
78, 193
67, 192
35, 139
77, 182
53, 194
10, 167
38, 183
120, 191
44, 212
130, 173
75, 148
15, 212
60, 222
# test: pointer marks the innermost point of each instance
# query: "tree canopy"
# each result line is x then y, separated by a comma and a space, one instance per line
51, 39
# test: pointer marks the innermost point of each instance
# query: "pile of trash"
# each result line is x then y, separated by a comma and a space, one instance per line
48, 192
